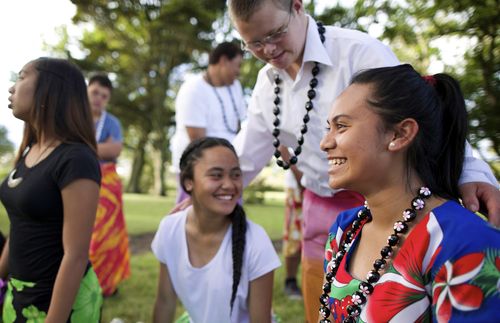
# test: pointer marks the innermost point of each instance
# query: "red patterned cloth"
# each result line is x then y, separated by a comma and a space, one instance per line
109, 250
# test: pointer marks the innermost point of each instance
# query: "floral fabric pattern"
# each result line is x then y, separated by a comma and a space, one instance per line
17, 306
436, 275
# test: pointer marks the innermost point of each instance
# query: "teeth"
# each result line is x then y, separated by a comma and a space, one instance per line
225, 197
337, 161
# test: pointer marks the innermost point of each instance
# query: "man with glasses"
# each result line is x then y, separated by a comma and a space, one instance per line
308, 67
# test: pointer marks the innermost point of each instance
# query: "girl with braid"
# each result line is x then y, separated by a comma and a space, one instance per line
219, 264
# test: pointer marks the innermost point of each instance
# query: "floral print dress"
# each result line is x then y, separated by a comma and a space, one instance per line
448, 269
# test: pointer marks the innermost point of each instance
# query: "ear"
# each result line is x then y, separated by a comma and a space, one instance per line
404, 134
297, 6
188, 184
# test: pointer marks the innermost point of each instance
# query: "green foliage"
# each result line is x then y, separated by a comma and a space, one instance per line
255, 192
6, 146
140, 43
412, 28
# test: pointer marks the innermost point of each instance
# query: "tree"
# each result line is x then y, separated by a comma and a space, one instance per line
141, 43
6, 146
412, 27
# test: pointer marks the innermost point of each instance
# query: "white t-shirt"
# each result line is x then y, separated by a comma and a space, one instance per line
344, 53
197, 105
206, 292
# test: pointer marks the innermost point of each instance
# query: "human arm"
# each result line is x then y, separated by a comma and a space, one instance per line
195, 132
109, 149
254, 143
4, 260
285, 154
260, 298
165, 304
80, 199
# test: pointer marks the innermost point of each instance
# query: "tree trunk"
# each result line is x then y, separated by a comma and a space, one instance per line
160, 158
134, 184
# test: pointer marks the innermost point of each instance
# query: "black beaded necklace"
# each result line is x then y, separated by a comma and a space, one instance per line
311, 94
224, 117
373, 276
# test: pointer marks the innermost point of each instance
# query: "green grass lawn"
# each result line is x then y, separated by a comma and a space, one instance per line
134, 302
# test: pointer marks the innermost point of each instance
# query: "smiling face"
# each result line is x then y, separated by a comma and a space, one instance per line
217, 182
269, 20
356, 143
22, 98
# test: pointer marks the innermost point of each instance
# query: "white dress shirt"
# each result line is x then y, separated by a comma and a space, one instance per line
344, 53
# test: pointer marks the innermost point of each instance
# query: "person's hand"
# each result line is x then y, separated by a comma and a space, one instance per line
182, 205
482, 197
285, 154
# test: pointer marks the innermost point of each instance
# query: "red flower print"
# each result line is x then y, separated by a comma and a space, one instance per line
328, 254
402, 290
450, 289
339, 308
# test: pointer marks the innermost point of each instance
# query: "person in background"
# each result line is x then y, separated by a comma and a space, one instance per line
413, 250
51, 198
209, 104
309, 65
216, 261
109, 249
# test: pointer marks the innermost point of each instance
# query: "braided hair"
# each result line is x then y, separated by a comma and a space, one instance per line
192, 153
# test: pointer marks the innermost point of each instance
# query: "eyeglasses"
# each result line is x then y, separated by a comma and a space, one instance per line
269, 39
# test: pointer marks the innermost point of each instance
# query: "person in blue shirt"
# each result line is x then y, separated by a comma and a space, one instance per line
110, 257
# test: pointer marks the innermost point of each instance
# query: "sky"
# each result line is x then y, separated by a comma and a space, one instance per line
26, 24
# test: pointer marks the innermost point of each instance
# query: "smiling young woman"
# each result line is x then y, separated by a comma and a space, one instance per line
222, 269
399, 139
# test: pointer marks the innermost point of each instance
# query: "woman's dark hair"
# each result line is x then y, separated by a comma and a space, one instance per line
61, 108
437, 105
192, 153
228, 49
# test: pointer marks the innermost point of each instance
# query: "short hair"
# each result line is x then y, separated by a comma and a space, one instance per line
228, 49
102, 79
244, 9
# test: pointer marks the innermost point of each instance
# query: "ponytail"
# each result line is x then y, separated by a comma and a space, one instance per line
239, 222
454, 129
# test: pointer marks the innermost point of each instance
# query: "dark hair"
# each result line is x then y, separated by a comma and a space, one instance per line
103, 80
244, 9
228, 49
61, 108
437, 105
192, 153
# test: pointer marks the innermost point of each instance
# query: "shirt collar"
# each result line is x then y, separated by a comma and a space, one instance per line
314, 50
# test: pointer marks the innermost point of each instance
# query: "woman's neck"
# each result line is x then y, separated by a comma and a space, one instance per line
205, 222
